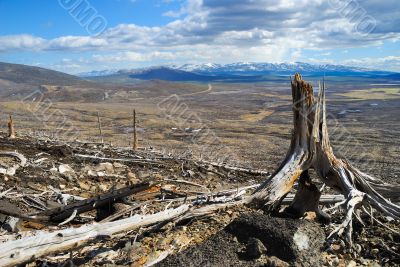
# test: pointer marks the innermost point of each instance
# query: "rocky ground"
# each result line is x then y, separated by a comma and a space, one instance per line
56, 174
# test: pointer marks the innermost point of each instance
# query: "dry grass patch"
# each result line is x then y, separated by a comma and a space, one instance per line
256, 116
373, 93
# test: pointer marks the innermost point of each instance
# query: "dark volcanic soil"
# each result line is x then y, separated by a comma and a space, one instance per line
255, 239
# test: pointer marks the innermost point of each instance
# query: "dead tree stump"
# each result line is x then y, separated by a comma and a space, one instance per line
11, 129
310, 148
135, 141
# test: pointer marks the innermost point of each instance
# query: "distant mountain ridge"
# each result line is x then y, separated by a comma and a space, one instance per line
240, 68
24, 74
241, 71
251, 67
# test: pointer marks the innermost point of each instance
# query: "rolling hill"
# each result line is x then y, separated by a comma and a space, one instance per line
36, 76
18, 81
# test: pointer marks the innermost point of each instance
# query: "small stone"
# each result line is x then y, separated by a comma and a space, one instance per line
352, 264
103, 187
84, 185
62, 186
335, 261
374, 251
143, 175
105, 167
101, 174
169, 187
181, 240
11, 224
357, 248
311, 216
64, 168
67, 172
54, 171
132, 178
276, 262
363, 261
255, 248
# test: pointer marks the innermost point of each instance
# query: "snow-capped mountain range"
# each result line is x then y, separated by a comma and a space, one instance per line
237, 68
266, 67
236, 72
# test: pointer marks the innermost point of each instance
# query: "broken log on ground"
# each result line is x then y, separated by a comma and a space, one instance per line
44, 243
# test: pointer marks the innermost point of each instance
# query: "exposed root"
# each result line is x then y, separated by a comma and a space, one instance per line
379, 222
354, 199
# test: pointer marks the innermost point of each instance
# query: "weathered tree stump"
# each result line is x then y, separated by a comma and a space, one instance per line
11, 130
310, 148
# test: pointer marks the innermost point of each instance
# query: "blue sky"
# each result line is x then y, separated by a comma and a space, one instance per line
82, 35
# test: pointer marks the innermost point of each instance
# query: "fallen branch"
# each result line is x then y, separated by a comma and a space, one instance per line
186, 182
60, 214
232, 168
131, 160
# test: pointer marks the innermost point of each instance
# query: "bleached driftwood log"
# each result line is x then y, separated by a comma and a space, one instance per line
310, 148
44, 243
